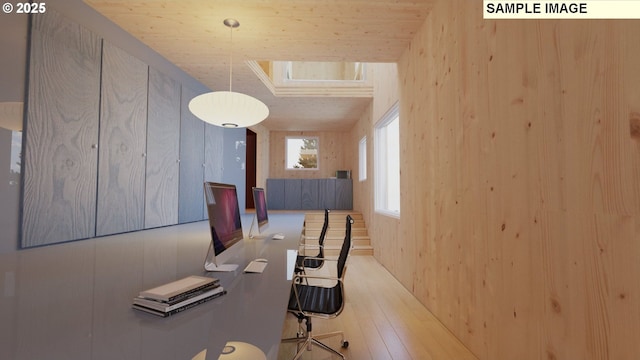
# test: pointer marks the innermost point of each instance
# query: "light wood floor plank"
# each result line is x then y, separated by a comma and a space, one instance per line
382, 321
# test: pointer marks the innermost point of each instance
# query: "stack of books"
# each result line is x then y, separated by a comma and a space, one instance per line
178, 295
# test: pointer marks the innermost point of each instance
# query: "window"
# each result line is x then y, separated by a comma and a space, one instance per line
302, 153
324, 71
362, 159
387, 163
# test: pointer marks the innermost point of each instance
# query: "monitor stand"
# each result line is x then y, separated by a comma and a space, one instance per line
257, 234
210, 265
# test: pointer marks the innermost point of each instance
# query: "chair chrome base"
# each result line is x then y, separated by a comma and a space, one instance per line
306, 340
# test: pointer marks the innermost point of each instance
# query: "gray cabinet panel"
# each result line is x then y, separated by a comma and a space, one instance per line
163, 151
293, 194
213, 156
191, 193
234, 160
123, 127
344, 194
327, 197
275, 194
309, 193
60, 161
213, 152
225, 154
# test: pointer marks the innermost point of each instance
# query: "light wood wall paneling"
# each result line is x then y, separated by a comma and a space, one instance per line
332, 155
262, 161
163, 151
191, 194
123, 127
519, 222
60, 161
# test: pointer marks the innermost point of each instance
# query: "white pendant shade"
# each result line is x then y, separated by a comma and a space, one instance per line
228, 109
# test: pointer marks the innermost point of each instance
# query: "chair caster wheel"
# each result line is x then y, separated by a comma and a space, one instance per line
345, 344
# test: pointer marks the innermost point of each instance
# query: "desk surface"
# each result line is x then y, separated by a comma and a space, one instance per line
73, 301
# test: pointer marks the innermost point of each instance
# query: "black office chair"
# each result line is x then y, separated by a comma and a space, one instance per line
315, 262
308, 301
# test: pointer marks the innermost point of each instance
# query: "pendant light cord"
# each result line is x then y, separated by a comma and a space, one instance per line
231, 60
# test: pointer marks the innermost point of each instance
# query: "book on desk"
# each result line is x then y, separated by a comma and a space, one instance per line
179, 295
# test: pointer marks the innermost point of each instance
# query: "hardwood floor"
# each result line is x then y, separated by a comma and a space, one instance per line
381, 320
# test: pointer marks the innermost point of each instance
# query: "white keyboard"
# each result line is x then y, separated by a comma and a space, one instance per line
255, 267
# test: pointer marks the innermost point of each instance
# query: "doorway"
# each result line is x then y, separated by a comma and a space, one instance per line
251, 164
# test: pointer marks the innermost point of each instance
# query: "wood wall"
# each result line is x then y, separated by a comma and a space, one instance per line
331, 153
385, 96
262, 154
520, 159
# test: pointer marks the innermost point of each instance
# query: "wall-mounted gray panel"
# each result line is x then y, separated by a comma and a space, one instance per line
293, 194
60, 160
327, 191
344, 194
191, 194
234, 169
123, 127
163, 151
310, 194
275, 194
213, 152
213, 155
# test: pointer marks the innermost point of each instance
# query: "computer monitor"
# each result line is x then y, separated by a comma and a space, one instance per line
225, 225
261, 219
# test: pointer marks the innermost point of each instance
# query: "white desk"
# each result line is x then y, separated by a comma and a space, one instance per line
73, 301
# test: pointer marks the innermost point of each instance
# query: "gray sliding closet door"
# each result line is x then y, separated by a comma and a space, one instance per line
213, 152
61, 132
163, 151
123, 127
191, 198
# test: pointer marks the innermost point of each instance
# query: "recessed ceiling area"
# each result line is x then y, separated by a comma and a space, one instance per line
190, 34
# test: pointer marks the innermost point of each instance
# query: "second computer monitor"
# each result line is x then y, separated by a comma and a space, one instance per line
261, 219
225, 224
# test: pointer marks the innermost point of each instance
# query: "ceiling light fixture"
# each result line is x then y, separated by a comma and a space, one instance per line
228, 108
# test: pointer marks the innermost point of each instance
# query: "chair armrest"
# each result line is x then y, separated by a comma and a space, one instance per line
312, 246
319, 277
319, 258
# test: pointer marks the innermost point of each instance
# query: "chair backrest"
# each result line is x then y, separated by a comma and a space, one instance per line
323, 232
346, 246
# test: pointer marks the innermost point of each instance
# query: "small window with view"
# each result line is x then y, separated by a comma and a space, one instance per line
302, 153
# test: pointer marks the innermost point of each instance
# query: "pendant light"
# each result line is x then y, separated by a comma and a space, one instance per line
228, 108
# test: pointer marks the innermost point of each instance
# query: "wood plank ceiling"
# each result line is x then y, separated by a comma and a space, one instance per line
190, 34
